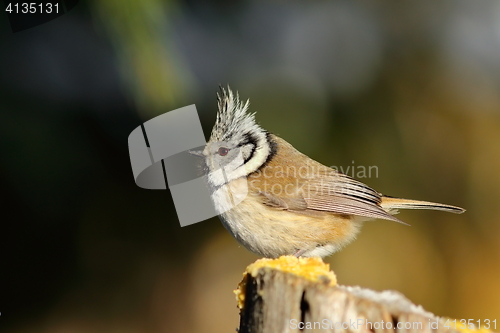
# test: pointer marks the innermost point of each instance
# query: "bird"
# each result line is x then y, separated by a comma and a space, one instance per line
275, 200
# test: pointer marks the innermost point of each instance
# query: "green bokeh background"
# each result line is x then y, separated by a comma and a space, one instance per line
411, 87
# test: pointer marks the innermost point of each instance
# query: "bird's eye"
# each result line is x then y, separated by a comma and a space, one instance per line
223, 151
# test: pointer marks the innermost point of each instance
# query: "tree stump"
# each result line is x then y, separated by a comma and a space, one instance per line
291, 294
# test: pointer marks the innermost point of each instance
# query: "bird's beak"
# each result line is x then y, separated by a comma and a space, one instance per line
198, 153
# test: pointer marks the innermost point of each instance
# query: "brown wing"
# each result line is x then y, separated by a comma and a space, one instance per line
332, 192
312, 187
338, 193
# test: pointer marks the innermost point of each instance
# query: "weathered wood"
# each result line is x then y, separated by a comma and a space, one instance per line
301, 295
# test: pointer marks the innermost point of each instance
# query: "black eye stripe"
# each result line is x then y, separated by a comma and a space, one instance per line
249, 139
251, 154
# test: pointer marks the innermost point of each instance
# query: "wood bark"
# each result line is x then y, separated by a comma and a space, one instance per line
277, 301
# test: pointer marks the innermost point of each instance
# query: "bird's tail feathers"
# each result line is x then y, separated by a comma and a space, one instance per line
391, 204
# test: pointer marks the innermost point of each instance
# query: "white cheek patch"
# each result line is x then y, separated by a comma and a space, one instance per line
224, 174
231, 187
237, 168
259, 157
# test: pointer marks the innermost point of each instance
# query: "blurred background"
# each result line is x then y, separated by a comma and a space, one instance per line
411, 87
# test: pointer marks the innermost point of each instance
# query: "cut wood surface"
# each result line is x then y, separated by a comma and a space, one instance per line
301, 295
